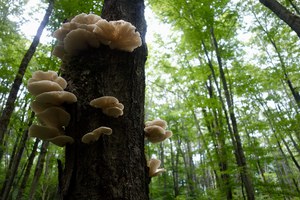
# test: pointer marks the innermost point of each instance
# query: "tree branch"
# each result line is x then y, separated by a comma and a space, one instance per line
284, 14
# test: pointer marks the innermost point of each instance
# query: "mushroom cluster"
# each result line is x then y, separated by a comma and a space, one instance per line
48, 89
110, 106
154, 169
90, 31
155, 131
96, 134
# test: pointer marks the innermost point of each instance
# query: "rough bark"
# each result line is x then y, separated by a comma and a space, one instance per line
284, 14
114, 167
9, 106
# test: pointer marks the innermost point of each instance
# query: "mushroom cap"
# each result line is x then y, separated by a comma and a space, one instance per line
41, 75
96, 134
157, 172
56, 97
158, 122
155, 133
69, 26
61, 33
113, 112
61, 140
38, 87
168, 134
88, 27
105, 31
104, 102
43, 132
128, 39
38, 107
61, 81
79, 39
55, 117
118, 35
86, 18
59, 50
76, 35
153, 165
119, 105
89, 138
103, 130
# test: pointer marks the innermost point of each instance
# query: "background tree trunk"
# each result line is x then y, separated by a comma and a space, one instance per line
27, 170
12, 171
239, 151
38, 169
114, 167
284, 14
9, 106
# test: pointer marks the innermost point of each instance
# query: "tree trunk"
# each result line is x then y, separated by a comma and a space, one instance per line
285, 181
291, 153
11, 173
284, 14
27, 170
174, 164
38, 169
216, 129
240, 156
294, 6
9, 106
114, 167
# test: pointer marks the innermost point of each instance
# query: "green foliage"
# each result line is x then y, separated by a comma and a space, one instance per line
66, 10
184, 88
263, 103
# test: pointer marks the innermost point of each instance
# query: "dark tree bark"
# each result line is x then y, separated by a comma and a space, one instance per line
284, 14
9, 106
114, 167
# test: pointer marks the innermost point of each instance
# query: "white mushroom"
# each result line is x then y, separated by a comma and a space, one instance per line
61, 81
54, 117
104, 102
38, 87
158, 122
56, 97
155, 133
113, 112
109, 105
43, 132
41, 75
154, 169
118, 35
59, 50
86, 18
96, 134
78, 40
61, 140
85, 31
38, 107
